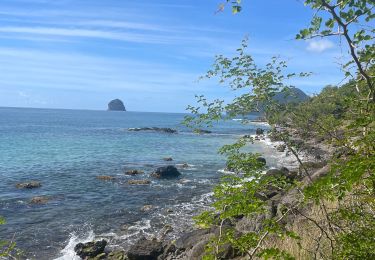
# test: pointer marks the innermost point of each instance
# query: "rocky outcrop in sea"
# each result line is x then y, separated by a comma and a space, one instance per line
116, 105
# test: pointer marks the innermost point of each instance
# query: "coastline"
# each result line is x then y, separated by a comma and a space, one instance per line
183, 245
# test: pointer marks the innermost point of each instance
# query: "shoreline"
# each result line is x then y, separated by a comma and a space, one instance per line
169, 249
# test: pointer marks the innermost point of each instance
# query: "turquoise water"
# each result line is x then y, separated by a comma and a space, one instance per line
67, 149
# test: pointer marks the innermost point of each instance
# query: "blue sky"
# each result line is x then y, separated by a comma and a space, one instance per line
79, 54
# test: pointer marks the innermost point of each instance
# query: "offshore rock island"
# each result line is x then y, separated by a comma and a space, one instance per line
116, 105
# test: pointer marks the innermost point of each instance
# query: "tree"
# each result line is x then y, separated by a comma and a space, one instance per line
343, 117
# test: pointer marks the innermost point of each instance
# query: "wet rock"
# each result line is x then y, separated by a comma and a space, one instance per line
125, 227
29, 185
40, 200
202, 131
139, 182
156, 129
134, 172
259, 131
145, 249
117, 255
102, 256
116, 105
166, 172
168, 159
105, 178
281, 148
185, 166
147, 208
90, 249
166, 230
169, 210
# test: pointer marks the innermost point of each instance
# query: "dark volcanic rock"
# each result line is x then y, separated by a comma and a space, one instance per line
116, 105
145, 249
90, 249
134, 172
166, 172
156, 129
259, 131
29, 185
262, 160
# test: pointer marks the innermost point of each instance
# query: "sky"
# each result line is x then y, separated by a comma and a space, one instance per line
80, 54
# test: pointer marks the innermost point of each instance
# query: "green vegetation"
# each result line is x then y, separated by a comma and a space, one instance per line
6, 247
329, 213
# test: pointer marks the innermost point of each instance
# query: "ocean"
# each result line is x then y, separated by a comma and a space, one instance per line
66, 149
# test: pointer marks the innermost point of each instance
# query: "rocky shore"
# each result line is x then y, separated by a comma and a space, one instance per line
191, 245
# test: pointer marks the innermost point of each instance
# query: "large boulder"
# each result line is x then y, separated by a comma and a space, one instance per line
90, 249
28, 185
145, 249
116, 105
189, 239
166, 172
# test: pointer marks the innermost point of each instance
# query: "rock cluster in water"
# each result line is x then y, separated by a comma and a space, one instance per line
156, 129
116, 105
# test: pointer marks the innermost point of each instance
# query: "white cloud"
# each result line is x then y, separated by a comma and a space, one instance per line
319, 45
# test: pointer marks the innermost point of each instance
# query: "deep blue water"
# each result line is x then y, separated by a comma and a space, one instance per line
67, 149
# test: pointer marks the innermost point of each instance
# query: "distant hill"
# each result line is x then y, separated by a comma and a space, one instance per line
292, 95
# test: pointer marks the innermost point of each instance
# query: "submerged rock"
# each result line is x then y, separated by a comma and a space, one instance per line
156, 129
90, 249
168, 159
202, 131
185, 166
145, 249
139, 182
166, 172
40, 200
105, 178
147, 208
134, 172
116, 105
29, 185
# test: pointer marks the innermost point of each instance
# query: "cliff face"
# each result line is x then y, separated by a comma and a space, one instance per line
116, 105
